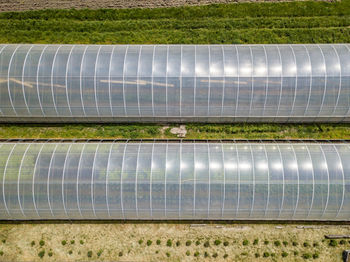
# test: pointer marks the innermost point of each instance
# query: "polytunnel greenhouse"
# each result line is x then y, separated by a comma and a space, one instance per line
247, 180
175, 83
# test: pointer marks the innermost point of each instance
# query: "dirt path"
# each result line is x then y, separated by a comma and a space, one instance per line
21, 5
121, 242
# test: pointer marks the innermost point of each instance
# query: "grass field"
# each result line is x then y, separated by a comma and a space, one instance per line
170, 242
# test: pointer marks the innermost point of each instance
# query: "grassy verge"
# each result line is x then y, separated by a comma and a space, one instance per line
194, 131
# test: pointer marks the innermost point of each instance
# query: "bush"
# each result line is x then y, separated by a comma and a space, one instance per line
256, 241
196, 254
188, 243
306, 256
316, 255
140, 242
277, 243
99, 253
198, 243
226, 243
217, 242
215, 255
266, 254
120, 254
158, 242
342, 242
178, 243
206, 244
41, 254
226, 255
257, 255
64, 242
50, 254
81, 242
294, 243
245, 242
149, 242
188, 253
72, 242
169, 243
333, 243
284, 254
32, 243
285, 243
167, 254
266, 242
306, 244
89, 253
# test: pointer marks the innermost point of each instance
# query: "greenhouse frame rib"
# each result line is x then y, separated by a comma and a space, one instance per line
175, 180
175, 83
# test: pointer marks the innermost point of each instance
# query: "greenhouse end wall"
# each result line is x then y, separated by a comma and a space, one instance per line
174, 181
175, 83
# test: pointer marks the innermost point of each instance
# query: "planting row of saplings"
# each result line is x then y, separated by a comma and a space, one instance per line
207, 248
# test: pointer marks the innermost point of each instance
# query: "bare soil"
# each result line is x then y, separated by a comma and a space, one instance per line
22, 5
120, 242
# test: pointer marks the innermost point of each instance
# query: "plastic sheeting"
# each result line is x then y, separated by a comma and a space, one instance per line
217, 83
175, 180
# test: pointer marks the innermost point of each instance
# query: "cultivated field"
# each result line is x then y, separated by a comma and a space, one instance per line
170, 242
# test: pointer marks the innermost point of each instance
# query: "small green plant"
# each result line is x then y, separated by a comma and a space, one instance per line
140, 242
226, 255
206, 254
245, 242
81, 242
178, 243
284, 254
41, 243
277, 243
285, 243
306, 244
206, 244
188, 243
3, 241
169, 243
99, 253
89, 253
244, 253
266, 242
158, 242
120, 254
157, 251
188, 253
315, 244
217, 242
32, 243
167, 254
257, 255
296, 252
306, 256
149, 242
226, 243
64, 242
1, 253
333, 243
256, 241
215, 255
72, 242
294, 243
196, 254
70, 252
273, 254
50, 254
198, 243
315, 255
342, 242
41, 254
266, 254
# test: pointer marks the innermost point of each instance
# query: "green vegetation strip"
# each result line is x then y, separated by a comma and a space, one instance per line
194, 131
289, 22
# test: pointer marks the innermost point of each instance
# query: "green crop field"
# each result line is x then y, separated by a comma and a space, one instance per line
254, 23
